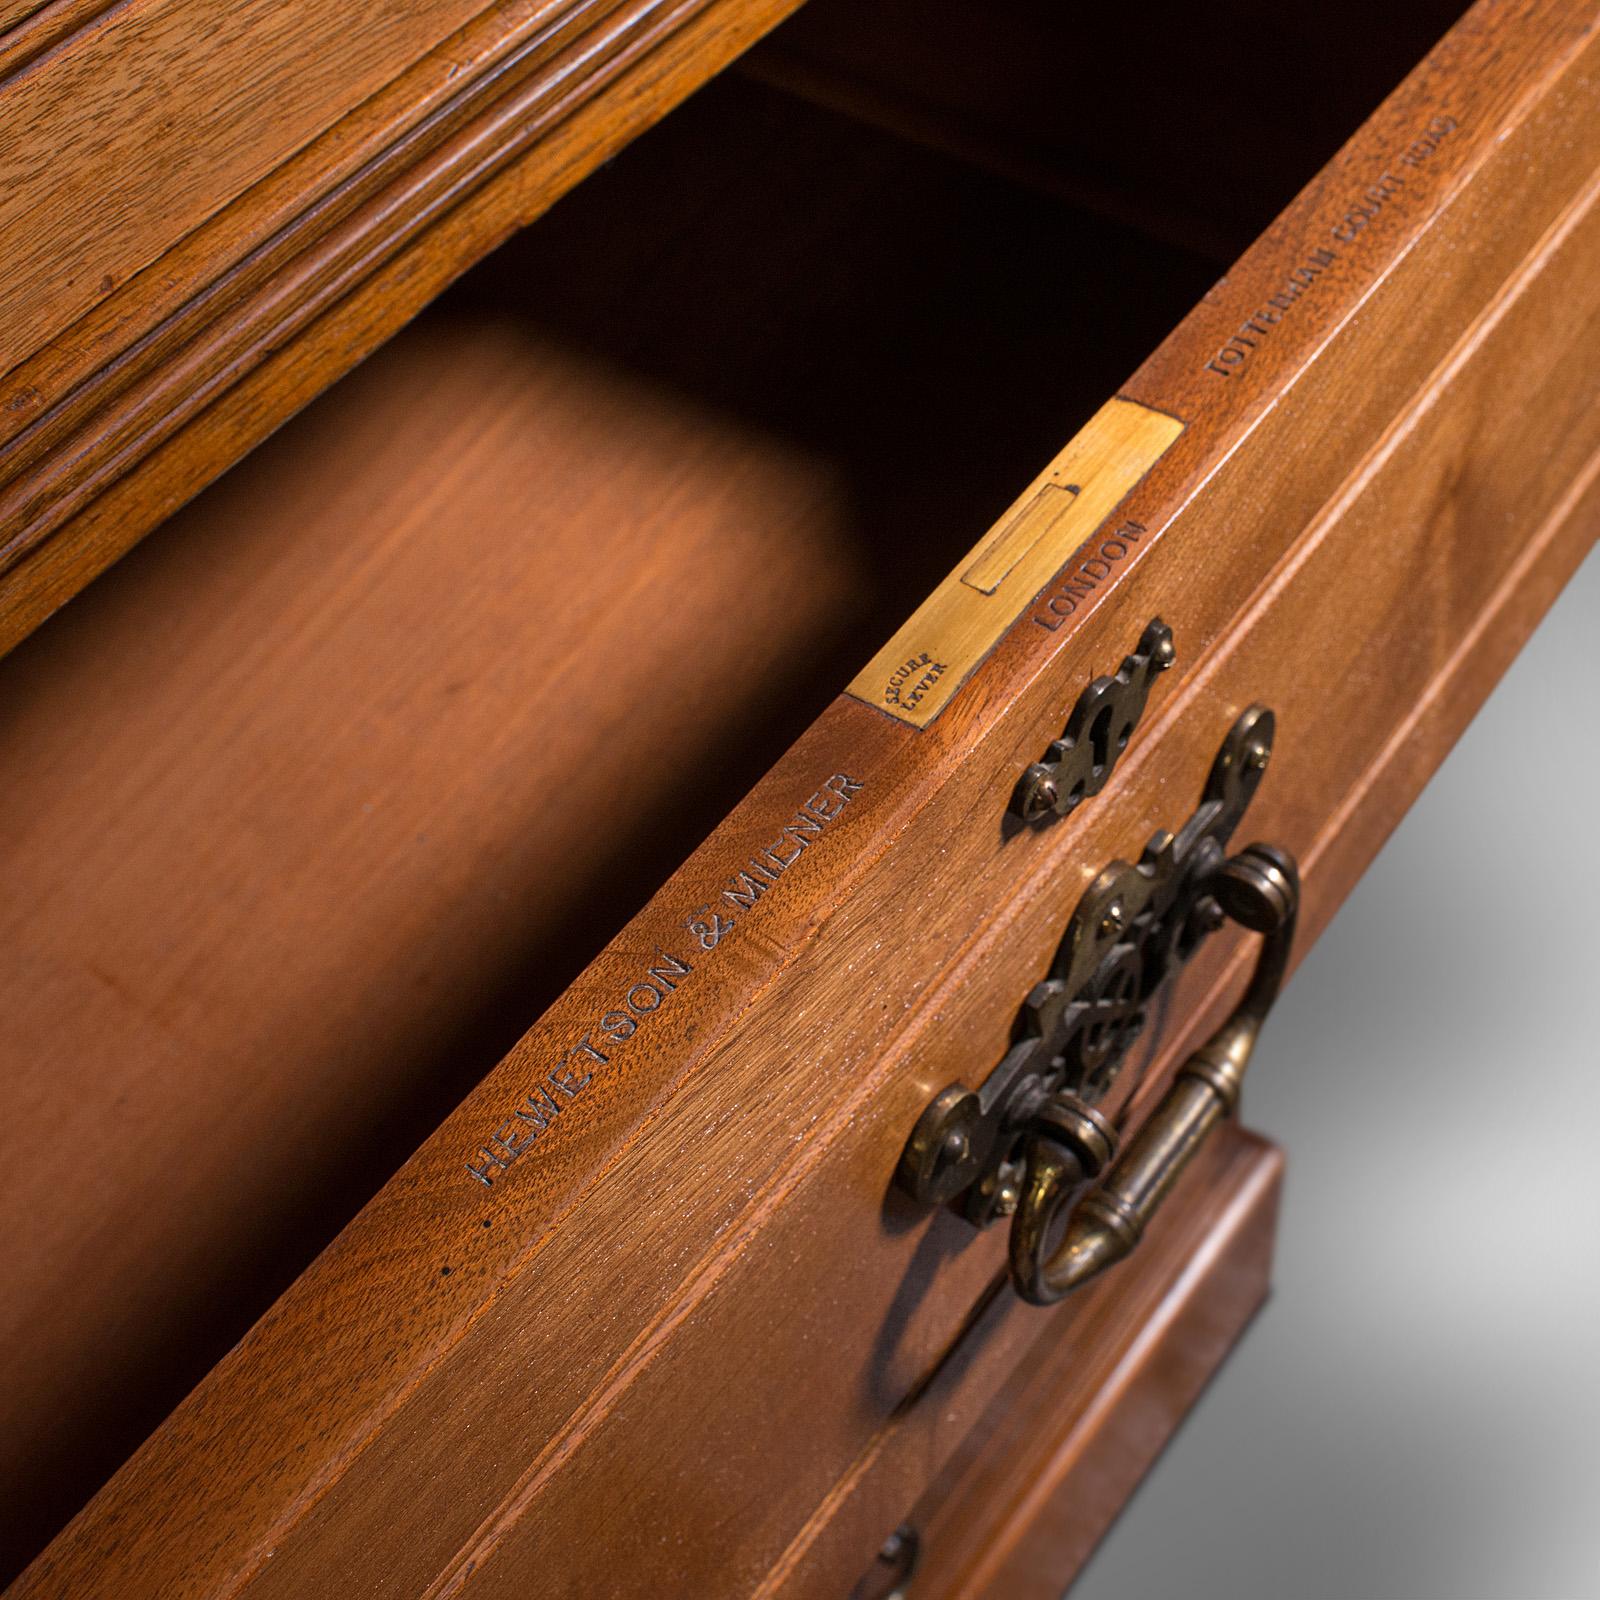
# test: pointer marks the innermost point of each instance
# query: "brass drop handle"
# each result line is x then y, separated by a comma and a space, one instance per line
1070, 1145
1027, 1144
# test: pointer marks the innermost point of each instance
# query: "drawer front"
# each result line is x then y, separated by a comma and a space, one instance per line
635, 1350
1067, 1430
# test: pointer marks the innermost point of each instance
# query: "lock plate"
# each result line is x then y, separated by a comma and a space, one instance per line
1078, 764
1135, 925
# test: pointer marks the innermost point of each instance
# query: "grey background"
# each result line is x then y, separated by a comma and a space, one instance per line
1415, 1414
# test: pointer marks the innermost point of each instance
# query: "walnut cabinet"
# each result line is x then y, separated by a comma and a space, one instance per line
538, 543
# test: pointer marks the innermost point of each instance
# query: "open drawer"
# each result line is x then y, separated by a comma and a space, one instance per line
556, 665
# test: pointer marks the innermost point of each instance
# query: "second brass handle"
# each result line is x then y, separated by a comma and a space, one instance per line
1071, 1145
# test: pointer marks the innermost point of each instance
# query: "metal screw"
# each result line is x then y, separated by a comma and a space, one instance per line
1256, 756
900, 1551
955, 1145
1007, 1199
1164, 654
1113, 921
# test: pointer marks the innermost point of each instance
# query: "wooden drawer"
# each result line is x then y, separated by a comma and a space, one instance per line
1035, 1481
522, 677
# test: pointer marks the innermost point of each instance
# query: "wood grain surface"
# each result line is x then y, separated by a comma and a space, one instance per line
299, 188
460, 666
291, 868
1389, 463
1037, 1481
147, 118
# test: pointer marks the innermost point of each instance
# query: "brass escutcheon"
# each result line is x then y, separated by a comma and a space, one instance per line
1102, 721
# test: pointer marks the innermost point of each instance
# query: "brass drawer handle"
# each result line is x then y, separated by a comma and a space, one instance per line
1071, 1144
1031, 1143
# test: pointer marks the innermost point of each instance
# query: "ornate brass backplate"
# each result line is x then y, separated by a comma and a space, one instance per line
986, 1149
